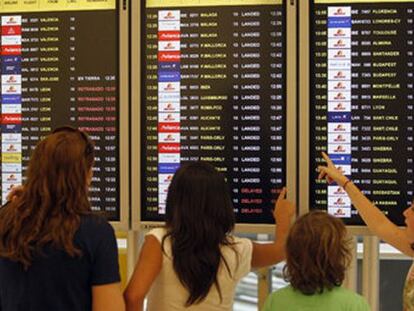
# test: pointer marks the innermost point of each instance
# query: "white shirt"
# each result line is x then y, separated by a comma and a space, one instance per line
408, 294
168, 294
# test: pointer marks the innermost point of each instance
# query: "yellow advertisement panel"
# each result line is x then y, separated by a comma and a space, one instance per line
359, 1
18, 6
195, 3
11, 157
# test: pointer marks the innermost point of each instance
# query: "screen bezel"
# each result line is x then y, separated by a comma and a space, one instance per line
123, 82
290, 50
304, 114
121, 63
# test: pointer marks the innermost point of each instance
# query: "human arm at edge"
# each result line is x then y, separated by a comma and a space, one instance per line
107, 297
267, 254
375, 219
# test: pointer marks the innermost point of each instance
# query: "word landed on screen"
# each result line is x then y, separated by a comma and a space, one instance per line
214, 90
362, 105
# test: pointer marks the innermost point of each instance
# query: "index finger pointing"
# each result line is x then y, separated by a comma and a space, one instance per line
282, 194
326, 158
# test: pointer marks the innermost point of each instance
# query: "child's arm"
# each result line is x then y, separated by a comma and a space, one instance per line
271, 253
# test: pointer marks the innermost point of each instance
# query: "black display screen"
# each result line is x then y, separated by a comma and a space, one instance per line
362, 99
59, 66
213, 84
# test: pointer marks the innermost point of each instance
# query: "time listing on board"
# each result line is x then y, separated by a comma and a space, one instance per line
213, 90
57, 70
362, 67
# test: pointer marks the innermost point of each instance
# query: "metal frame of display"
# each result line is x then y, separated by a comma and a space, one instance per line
122, 65
136, 113
291, 133
123, 19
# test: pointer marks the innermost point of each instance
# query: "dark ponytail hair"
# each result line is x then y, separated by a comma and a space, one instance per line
199, 217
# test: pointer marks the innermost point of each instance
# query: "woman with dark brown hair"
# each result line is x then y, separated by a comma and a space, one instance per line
54, 254
317, 256
195, 261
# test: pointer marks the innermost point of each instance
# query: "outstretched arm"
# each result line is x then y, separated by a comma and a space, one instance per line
376, 221
147, 269
272, 253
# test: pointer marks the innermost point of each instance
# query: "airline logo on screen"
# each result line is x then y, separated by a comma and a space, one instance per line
169, 96
339, 103
11, 103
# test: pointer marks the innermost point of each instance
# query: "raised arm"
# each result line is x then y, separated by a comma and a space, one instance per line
147, 269
272, 253
376, 221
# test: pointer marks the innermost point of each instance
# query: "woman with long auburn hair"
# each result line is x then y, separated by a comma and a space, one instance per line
195, 262
317, 256
54, 254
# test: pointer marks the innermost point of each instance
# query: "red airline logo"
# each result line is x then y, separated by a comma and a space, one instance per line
11, 50
168, 35
11, 118
169, 56
11, 30
169, 127
169, 148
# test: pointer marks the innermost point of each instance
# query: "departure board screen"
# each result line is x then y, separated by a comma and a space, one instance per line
213, 89
362, 99
59, 66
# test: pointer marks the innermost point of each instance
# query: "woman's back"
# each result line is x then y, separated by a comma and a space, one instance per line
58, 281
194, 263
167, 293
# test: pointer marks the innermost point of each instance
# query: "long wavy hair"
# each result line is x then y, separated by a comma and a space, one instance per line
54, 196
317, 253
199, 218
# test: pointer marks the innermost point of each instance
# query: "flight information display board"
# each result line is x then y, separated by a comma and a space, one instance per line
362, 100
59, 66
213, 89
